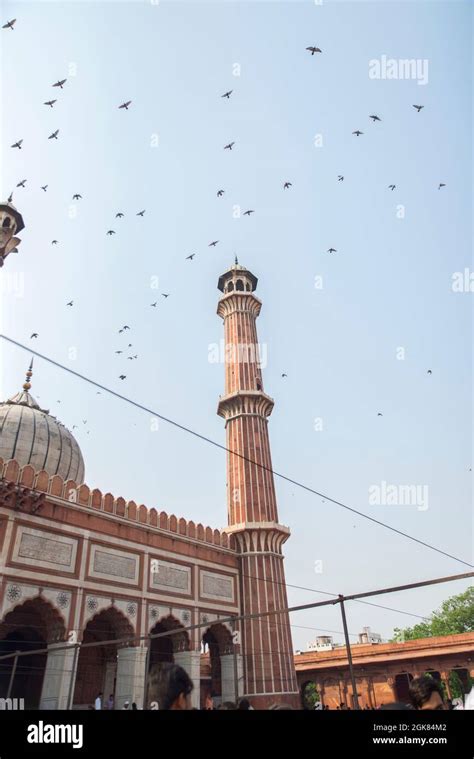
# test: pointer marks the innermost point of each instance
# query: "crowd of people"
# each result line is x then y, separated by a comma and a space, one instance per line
173, 689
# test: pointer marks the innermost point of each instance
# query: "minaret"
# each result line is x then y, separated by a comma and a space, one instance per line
269, 673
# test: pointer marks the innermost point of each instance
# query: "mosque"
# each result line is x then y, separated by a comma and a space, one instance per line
79, 567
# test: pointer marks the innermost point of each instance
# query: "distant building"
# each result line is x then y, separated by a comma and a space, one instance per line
383, 671
322, 643
366, 636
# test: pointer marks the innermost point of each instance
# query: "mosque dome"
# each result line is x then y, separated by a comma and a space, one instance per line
31, 435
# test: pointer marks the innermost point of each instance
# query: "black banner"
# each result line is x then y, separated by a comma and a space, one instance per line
84, 733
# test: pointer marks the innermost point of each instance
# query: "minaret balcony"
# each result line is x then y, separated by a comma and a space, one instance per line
245, 403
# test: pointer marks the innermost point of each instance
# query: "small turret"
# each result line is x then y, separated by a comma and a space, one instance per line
11, 222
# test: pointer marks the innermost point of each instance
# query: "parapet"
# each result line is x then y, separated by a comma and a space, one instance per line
82, 495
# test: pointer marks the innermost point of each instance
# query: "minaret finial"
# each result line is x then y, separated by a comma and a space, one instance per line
29, 374
236, 260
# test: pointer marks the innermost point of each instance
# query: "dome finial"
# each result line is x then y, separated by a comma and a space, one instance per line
29, 374
236, 260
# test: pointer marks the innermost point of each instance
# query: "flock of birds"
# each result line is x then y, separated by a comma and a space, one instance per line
286, 185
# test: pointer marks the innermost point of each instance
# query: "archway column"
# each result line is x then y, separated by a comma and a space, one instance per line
61, 668
190, 661
228, 667
131, 667
109, 680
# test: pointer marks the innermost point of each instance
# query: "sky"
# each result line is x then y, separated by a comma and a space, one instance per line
355, 331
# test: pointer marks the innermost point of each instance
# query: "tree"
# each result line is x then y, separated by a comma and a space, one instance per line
456, 615
310, 695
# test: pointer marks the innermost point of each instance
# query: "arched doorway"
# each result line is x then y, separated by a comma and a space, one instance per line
309, 694
460, 682
30, 626
97, 665
218, 680
402, 686
173, 639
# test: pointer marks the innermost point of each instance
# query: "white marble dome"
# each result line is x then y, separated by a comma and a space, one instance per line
31, 436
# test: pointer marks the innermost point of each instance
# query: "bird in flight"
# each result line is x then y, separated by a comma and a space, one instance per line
229, 146
314, 50
379, 414
54, 136
54, 242
332, 250
441, 184
44, 187
50, 103
22, 183
220, 193
165, 295
153, 304
60, 83
340, 178
71, 302
357, 132
17, 144
418, 107
129, 345
125, 105
74, 426
287, 185
77, 196
247, 213
213, 244
110, 232
9, 24
284, 375
125, 326
118, 351
119, 215
374, 117
392, 187
33, 334
227, 94
130, 358
141, 213
190, 258
429, 371
123, 376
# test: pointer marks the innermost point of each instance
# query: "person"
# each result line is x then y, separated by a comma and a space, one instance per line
426, 693
174, 688
125, 705
134, 707
98, 701
244, 704
110, 702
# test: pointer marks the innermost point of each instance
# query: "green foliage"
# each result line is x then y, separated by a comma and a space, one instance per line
311, 695
456, 615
